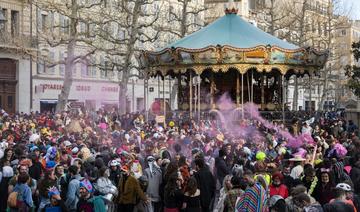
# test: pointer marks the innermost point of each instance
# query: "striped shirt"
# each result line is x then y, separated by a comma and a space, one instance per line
253, 200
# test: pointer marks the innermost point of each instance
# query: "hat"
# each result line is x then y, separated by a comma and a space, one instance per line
171, 124
50, 164
67, 143
75, 150
278, 174
150, 159
51, 152
53, 191
125, 168
274, 199
343, 186
114, 163
26, 162
87, 185
297, 158
7, 171
260, 156
34, 148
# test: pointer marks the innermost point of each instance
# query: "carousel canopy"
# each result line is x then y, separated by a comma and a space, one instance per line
231, 43
230, 30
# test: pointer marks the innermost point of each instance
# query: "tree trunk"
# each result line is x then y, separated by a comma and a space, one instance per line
122, 97
133, 34
69, 61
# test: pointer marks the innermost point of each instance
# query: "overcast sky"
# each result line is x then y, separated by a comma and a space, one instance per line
355, 7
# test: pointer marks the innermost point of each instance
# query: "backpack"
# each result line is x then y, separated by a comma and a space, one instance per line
64, 184
12, 199
16, 201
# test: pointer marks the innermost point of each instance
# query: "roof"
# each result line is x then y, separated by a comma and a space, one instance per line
231, 30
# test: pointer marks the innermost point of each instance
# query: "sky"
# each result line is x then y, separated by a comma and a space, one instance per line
353, 6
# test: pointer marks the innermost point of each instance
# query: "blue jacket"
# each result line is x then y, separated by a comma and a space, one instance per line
72, 196
25, 192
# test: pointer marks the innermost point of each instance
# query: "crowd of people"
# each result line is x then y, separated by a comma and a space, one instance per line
99, 161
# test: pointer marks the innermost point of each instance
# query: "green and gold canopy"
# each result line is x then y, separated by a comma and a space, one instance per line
231, 43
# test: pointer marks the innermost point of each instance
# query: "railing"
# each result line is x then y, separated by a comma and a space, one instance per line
7, 40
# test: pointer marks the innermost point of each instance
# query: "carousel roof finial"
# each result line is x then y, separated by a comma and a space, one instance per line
230, 8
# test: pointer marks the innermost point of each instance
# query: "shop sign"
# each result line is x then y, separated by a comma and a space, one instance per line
76, 104
160, 119
52, 86
110, 89
83, 87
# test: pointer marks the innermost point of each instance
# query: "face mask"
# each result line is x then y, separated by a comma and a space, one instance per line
276, 184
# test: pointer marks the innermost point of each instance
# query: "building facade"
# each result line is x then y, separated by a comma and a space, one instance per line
28, 82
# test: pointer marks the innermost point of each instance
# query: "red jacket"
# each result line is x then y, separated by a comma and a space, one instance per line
282, 190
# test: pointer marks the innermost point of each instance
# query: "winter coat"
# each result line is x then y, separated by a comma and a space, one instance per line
129, 190
72, 193
207, 185
355, 177
221, 169
154, 179
105, 186
323, 194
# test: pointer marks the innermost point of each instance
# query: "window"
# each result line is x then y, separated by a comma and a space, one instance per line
44, 22
3, 25
40, 67
64, 25
14, 23
343, 32
83, 27
92, 67
319, 29
51, 69
88, 68
10, 101
62, 66
139, 104
84, 69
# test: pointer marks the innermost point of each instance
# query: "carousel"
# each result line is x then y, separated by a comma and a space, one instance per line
235, 57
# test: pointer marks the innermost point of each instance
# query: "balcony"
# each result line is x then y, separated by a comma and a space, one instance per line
18, 42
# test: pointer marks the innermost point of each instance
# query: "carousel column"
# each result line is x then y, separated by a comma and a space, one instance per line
310, 103
252, 86
179, 94
159, 88
283, 97
262, 91
145, 99
199, 97
164, 100
237, 90
170, 92
242, 95
190, 95
212, 105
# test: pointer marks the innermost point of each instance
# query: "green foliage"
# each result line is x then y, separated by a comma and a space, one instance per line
353, 72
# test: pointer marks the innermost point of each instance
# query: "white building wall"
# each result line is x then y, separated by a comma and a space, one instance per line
23, 86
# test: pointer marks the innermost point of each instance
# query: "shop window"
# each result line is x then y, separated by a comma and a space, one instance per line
10, 101
139, 104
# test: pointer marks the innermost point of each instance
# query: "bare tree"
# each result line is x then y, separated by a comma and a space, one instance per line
127, 27
188, 18
66, 34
